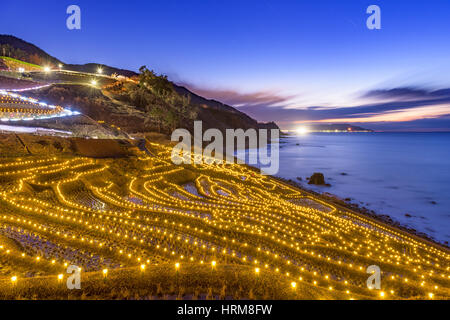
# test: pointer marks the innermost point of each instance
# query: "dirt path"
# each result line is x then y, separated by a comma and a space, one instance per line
23, 143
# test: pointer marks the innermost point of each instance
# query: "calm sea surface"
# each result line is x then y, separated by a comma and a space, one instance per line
391, 173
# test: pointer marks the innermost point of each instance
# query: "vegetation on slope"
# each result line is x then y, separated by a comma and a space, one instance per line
153, 103
13, 47
146, 103
14, 64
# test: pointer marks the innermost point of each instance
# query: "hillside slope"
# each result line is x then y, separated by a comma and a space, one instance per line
122, 103
14, 47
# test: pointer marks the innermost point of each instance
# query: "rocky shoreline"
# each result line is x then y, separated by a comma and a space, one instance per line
365, 211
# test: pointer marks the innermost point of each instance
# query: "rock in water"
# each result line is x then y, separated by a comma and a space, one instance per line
317, 178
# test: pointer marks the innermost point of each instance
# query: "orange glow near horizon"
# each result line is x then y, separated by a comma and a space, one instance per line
411, 114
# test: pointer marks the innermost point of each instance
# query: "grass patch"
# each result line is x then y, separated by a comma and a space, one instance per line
21, 62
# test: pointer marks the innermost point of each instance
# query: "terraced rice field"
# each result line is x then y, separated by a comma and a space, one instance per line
145, 228
16, 107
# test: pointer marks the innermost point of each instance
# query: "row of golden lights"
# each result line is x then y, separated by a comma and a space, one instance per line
48, 69
214, 194
293, 284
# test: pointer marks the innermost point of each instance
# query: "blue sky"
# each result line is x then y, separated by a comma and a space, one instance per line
272, 59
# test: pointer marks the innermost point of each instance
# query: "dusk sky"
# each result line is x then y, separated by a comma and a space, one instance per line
292, 62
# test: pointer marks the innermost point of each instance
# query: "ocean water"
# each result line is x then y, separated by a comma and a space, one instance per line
390, 173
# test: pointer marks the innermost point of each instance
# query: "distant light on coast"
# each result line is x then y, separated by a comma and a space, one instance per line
302, 130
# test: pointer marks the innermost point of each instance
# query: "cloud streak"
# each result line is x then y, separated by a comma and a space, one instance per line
238, 99
385, 108
425, 103
408, 94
